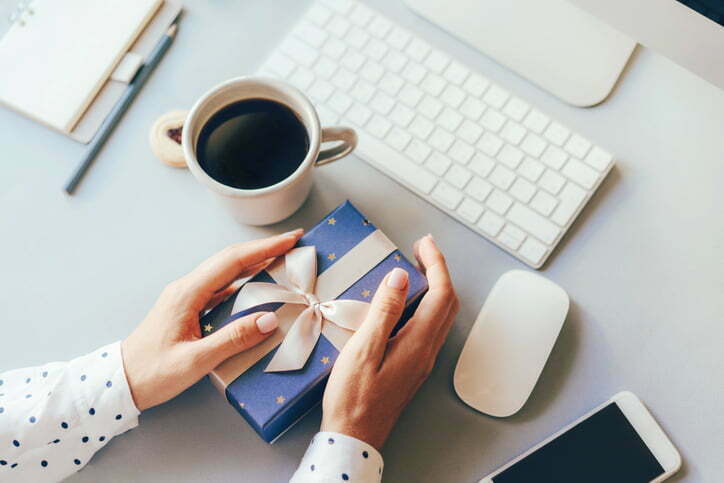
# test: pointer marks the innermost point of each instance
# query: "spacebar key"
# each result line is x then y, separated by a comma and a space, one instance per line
406, 171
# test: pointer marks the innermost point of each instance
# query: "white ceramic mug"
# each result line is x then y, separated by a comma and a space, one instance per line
273, 203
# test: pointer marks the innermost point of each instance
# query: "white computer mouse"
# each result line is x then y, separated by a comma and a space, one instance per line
510, 343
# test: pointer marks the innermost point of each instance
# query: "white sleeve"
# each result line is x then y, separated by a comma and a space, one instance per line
54, 417
334, 457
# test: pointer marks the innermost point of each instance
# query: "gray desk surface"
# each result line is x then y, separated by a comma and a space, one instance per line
643, 265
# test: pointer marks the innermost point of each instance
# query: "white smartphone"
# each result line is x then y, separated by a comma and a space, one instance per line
617, 441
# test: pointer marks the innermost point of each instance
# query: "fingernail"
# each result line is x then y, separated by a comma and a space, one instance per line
432, 239
397, 279
298, 231
267, 322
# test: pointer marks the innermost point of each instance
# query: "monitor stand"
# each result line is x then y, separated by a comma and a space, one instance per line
554, 44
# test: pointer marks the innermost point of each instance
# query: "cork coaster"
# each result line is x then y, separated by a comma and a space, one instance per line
165, 138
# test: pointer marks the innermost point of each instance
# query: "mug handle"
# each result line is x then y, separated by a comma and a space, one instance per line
348, 139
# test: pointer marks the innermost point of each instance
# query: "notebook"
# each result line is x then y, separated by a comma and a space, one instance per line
56, 58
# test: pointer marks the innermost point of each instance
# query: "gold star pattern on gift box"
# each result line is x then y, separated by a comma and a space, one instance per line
281, 399
366, 293
397, 257
331, 221
242, 405
331, 257
325, 360
208, 328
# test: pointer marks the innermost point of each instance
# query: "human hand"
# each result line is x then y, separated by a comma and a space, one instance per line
166, 354
375, 377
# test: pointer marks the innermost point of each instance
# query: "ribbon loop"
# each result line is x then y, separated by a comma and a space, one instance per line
300, 266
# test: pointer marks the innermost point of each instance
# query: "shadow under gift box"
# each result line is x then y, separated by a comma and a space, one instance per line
271, 402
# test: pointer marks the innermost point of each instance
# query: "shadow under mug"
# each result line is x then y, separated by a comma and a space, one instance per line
269, 204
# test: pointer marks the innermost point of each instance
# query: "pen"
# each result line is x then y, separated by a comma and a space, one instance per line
115, 115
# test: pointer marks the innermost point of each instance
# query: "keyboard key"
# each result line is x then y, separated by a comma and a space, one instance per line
496, 97
311, 34
438, 163
375, 49
578, 146
359, 114
325, 67
402, 115
554, 157
344, 79
380, 27
410, 95
571, 199
470, 210
461, 152
320, 91
417, 49
543, 203
398, 139
533, 251
447, 196
433, 84
511, 237
492, 120
421, 127
361, 15
302, 78
557, 133
516, 109
302, 53
340, 102
599, 159
353, 60
472, 108
418, 151
533, 223
414, 72
379, 126
456, 73
394, 61
372, 71
513, 133
430, 107
398, 38
482, 164
510, 156
334, 48
502, 177
363, 91
339, 26
533, 145
469, 131
536, 121
327, 117
479, 188
441, 140
458, 176
391, 83
402, 168
449, 119
490, 144
522, 190
436, 61
476, 85
531, 169
491, 223
453, 96
382, 103
580, 173
551, 182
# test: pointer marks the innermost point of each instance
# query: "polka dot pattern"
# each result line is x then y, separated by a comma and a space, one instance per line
338, 457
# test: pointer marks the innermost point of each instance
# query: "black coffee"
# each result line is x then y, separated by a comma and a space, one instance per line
252, 144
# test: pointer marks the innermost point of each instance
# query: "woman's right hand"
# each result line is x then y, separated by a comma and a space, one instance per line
375, 377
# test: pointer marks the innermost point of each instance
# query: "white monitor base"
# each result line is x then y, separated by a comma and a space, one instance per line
554, 44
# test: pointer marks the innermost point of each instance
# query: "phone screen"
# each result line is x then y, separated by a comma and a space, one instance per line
603, 448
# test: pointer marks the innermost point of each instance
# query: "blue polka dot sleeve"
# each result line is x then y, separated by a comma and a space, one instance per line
334, 457
54, 417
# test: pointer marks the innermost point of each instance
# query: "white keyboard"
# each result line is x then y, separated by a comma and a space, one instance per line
484, 156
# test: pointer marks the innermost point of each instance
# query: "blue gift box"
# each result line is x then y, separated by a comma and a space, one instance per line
271, 402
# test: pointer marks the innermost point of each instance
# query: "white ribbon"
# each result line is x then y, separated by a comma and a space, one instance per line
299, 288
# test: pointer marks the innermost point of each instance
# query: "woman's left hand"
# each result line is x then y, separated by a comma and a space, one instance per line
166, 354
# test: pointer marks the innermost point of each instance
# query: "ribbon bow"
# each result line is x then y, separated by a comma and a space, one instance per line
299, 289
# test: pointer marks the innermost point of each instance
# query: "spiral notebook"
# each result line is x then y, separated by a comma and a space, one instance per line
58, 54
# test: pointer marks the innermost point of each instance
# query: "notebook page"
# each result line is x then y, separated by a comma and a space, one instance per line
52, 67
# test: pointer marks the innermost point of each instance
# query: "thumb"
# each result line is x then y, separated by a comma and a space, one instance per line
385, 311
238, 336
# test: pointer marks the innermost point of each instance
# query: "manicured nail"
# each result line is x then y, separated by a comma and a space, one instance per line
296, 232
267, 322
397, 279
432, 239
